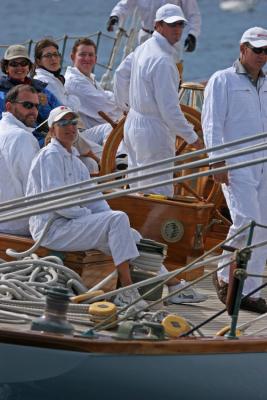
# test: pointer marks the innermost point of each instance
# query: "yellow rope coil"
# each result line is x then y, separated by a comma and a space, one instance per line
102, 309
175, 325
225, 330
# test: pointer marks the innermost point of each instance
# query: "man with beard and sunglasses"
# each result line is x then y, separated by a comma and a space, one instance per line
235, 107
18, 147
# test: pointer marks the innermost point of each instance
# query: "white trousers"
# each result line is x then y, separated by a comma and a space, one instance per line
148, 140
246, 197
108, 231
98, 134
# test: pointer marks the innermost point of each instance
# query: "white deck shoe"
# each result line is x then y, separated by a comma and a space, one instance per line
186, 296
127, 297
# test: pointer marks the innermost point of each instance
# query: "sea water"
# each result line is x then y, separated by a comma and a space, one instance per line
217, 46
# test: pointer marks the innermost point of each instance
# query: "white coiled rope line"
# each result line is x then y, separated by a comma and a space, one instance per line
29, 279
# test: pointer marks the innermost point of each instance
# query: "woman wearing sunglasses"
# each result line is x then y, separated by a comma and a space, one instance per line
81, 227
16, 66
47, 68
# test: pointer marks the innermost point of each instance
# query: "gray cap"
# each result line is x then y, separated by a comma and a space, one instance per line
16, 51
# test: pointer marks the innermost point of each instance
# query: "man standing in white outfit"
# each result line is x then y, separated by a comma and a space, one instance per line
155, 118
147, 11
235, 106
18, 147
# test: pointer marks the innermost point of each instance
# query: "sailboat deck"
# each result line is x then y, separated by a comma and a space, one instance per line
197, 313
194, 313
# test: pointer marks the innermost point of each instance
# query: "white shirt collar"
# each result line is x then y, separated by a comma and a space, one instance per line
76, 71
12, 120
163, 42
74, 151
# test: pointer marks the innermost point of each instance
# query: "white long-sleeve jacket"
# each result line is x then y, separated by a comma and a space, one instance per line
92, 97
147, 11
56, 167
233, 108
58, 89
18, 147
153, 87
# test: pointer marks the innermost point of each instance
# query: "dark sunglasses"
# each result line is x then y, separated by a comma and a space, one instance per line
27, 104
15, 64
258, 50
66, 122
177, 23
51, 55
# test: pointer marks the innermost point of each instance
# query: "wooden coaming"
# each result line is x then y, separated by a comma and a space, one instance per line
180, 346
91, 265
148, 216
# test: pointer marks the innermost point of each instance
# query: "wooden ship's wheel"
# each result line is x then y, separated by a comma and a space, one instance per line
203, 191
205, 186
112, 143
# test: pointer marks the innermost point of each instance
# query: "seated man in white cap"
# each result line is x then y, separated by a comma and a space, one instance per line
235, 106
90, 226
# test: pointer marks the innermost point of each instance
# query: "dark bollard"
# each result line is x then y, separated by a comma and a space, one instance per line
54, 317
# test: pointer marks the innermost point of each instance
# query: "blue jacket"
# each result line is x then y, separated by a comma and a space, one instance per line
52, 102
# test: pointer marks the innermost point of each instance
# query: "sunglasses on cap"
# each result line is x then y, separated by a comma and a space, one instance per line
27, 104
182, 24
66, 122
258, 50
15, 64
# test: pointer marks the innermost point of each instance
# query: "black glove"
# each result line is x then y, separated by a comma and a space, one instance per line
190, 43
113, 20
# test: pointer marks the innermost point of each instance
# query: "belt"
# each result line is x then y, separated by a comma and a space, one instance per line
147, 31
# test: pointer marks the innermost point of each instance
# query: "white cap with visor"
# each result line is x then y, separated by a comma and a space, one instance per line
170, 13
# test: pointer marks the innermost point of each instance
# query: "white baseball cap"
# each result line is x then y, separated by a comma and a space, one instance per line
57, 113
170, 13
256, 36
